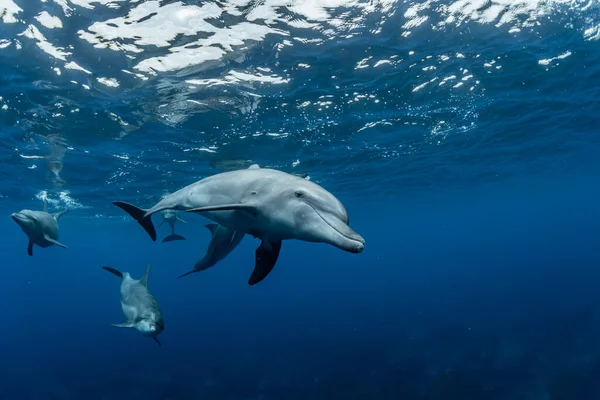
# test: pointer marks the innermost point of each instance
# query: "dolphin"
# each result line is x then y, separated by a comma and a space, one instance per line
40, 227
222, 242
140, 308
170, 217
269, 204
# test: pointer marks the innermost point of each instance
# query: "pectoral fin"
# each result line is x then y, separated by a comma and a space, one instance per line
123, 325
183, 222
54, 242
30, 248
212, 228
266, 257
156, 340
227, 207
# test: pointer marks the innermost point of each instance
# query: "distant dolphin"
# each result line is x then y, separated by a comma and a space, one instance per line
40, 227
268, 204
140, 308
222, 242
170, 217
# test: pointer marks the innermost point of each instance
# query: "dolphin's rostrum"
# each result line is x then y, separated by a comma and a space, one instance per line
139, 306
40, 227
268, 204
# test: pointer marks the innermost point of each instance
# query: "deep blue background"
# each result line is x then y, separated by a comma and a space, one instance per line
481, 293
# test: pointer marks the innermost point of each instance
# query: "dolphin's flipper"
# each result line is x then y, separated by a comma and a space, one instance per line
144, 279
172, 237
212, 228
123, 325
30, 248
200, 265
187, 273
55, 242
156, 340
60, 214
180, 220
138, 214
226, 207
266, 257
162, 222
114, 271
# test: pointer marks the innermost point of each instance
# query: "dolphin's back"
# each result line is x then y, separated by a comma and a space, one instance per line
136, 300
48, 224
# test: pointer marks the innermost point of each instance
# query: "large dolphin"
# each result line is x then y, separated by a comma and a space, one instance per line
140, 308
268, 204
223, 241
40, 227
170, 217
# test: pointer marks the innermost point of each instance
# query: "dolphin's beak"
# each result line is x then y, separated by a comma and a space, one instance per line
346, 238
354, 243
17, 217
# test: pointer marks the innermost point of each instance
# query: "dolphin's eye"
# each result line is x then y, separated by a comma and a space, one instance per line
298, 193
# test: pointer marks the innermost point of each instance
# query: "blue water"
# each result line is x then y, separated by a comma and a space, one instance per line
461, 136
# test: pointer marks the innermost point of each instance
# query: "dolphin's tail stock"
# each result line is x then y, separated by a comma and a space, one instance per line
173, 237
138, 214
114, 271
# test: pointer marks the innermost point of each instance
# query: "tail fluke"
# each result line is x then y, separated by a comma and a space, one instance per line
138, 214
172, 237
114, 271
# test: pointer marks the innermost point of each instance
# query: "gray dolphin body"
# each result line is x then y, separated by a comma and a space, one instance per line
268, 204
223, 241
41, 227
171, 217
139, 306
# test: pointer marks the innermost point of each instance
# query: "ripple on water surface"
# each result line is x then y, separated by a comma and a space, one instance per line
108, 99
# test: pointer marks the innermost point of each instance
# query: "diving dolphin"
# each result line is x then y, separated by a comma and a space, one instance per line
222, 242
140, 308
266, 203
40, 227
170, 217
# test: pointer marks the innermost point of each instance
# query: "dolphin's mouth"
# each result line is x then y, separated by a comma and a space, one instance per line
18, 217
357, 243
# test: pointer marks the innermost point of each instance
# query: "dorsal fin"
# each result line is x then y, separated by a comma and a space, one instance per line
254, 166
60, 214
212, 228
144, 279
45, 205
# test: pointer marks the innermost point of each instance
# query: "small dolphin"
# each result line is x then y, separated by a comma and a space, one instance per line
222, 242
170, 217
40, 227
140, 308
268, 204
